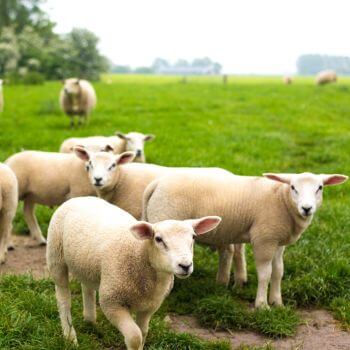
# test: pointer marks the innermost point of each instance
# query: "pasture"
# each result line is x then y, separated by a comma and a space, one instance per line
249, 126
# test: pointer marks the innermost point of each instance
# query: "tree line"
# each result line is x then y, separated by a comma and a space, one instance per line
312, 64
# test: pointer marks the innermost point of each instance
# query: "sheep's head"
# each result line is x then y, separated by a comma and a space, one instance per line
306, 189
135, 142
172, 242
102, 165
72, 87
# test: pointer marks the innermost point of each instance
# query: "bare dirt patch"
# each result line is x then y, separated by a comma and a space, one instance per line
320, 332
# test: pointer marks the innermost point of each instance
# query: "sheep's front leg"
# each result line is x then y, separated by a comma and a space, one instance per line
225, 263
275, 297
240, 265
143, 319
32, 222
263, 254
120, 317
89, 302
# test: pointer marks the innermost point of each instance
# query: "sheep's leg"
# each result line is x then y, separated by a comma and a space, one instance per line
5, 232
120, 317
240, 265
71, 122
225, 263
275, 297
63, 296
263, 259
89, 301
142, 319
32, 222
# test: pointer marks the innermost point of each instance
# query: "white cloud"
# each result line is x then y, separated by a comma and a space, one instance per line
246, 36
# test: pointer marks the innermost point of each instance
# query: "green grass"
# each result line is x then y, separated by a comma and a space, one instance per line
250, 126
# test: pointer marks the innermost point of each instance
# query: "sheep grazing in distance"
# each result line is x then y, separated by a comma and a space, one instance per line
48, 178
123, 185
130, 263
133, 141
287, 80
1, 96
77, 99
268, 214
326, 77
8, 207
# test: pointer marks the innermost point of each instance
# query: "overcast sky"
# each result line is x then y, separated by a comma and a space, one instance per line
245, 36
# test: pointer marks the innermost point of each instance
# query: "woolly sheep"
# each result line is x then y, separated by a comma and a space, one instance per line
1, 96
8, 207
325, 77
130, 263
77, 98
124, 186
287, 80
49, 179
133, 141
268, 214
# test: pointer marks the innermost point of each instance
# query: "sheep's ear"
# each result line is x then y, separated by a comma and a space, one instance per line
126, 157
149, 137
142, 230
121, 135
81, 153
205, 224
108, 148
334, 179
285, 178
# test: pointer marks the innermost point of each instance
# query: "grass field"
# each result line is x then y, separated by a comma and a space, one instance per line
250, 126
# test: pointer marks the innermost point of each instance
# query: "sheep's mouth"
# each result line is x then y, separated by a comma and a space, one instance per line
98, 184
183, 275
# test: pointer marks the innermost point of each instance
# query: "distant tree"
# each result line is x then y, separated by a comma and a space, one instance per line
144, 70
160, 63
181, 63
9, 51
202, 62
312, 64
121, 69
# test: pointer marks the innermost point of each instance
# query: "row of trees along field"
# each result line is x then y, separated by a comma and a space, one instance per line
312, 64
30, 50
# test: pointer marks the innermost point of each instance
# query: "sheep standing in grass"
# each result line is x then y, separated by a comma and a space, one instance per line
77, 99
1, 97
268, 214
131, 263
49, 179
287, 80
133, 141
124, 186
8, 206
326, 77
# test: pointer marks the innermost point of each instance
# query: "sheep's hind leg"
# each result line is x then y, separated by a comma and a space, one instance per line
89, 301
120, 317
240, 265
32, 222
5, 231
225, 263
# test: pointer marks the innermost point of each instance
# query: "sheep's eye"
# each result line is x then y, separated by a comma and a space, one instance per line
112, 166
194, 236
293, 189
320, 188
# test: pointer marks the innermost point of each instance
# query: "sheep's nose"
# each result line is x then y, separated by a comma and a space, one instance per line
138, 153
98, 180
185, 268
306, 209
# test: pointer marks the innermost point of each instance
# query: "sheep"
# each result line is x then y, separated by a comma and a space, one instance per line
287, 80
325, 77
133, 141
270, 213
8, 207
130, 263
1, 96
48, 178
124, 186
77, 98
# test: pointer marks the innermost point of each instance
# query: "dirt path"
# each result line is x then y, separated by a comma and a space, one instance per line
321, 331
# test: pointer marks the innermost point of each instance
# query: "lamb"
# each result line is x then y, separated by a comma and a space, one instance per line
268, 213
130, 263
133, 141
49, 179
1, 96
124, 186
77, 98
287, 80
325, 77
8, 207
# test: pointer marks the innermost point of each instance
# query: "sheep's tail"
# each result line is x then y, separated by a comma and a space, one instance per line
146, 198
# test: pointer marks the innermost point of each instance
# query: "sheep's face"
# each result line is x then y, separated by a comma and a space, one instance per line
102, 165
306, 189
135, 142
172, 242
72, 87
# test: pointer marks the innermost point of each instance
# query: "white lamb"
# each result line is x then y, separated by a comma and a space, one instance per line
133, 141
326, 77
8, 207
124, 186
49, 179
130, 263
268, 214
